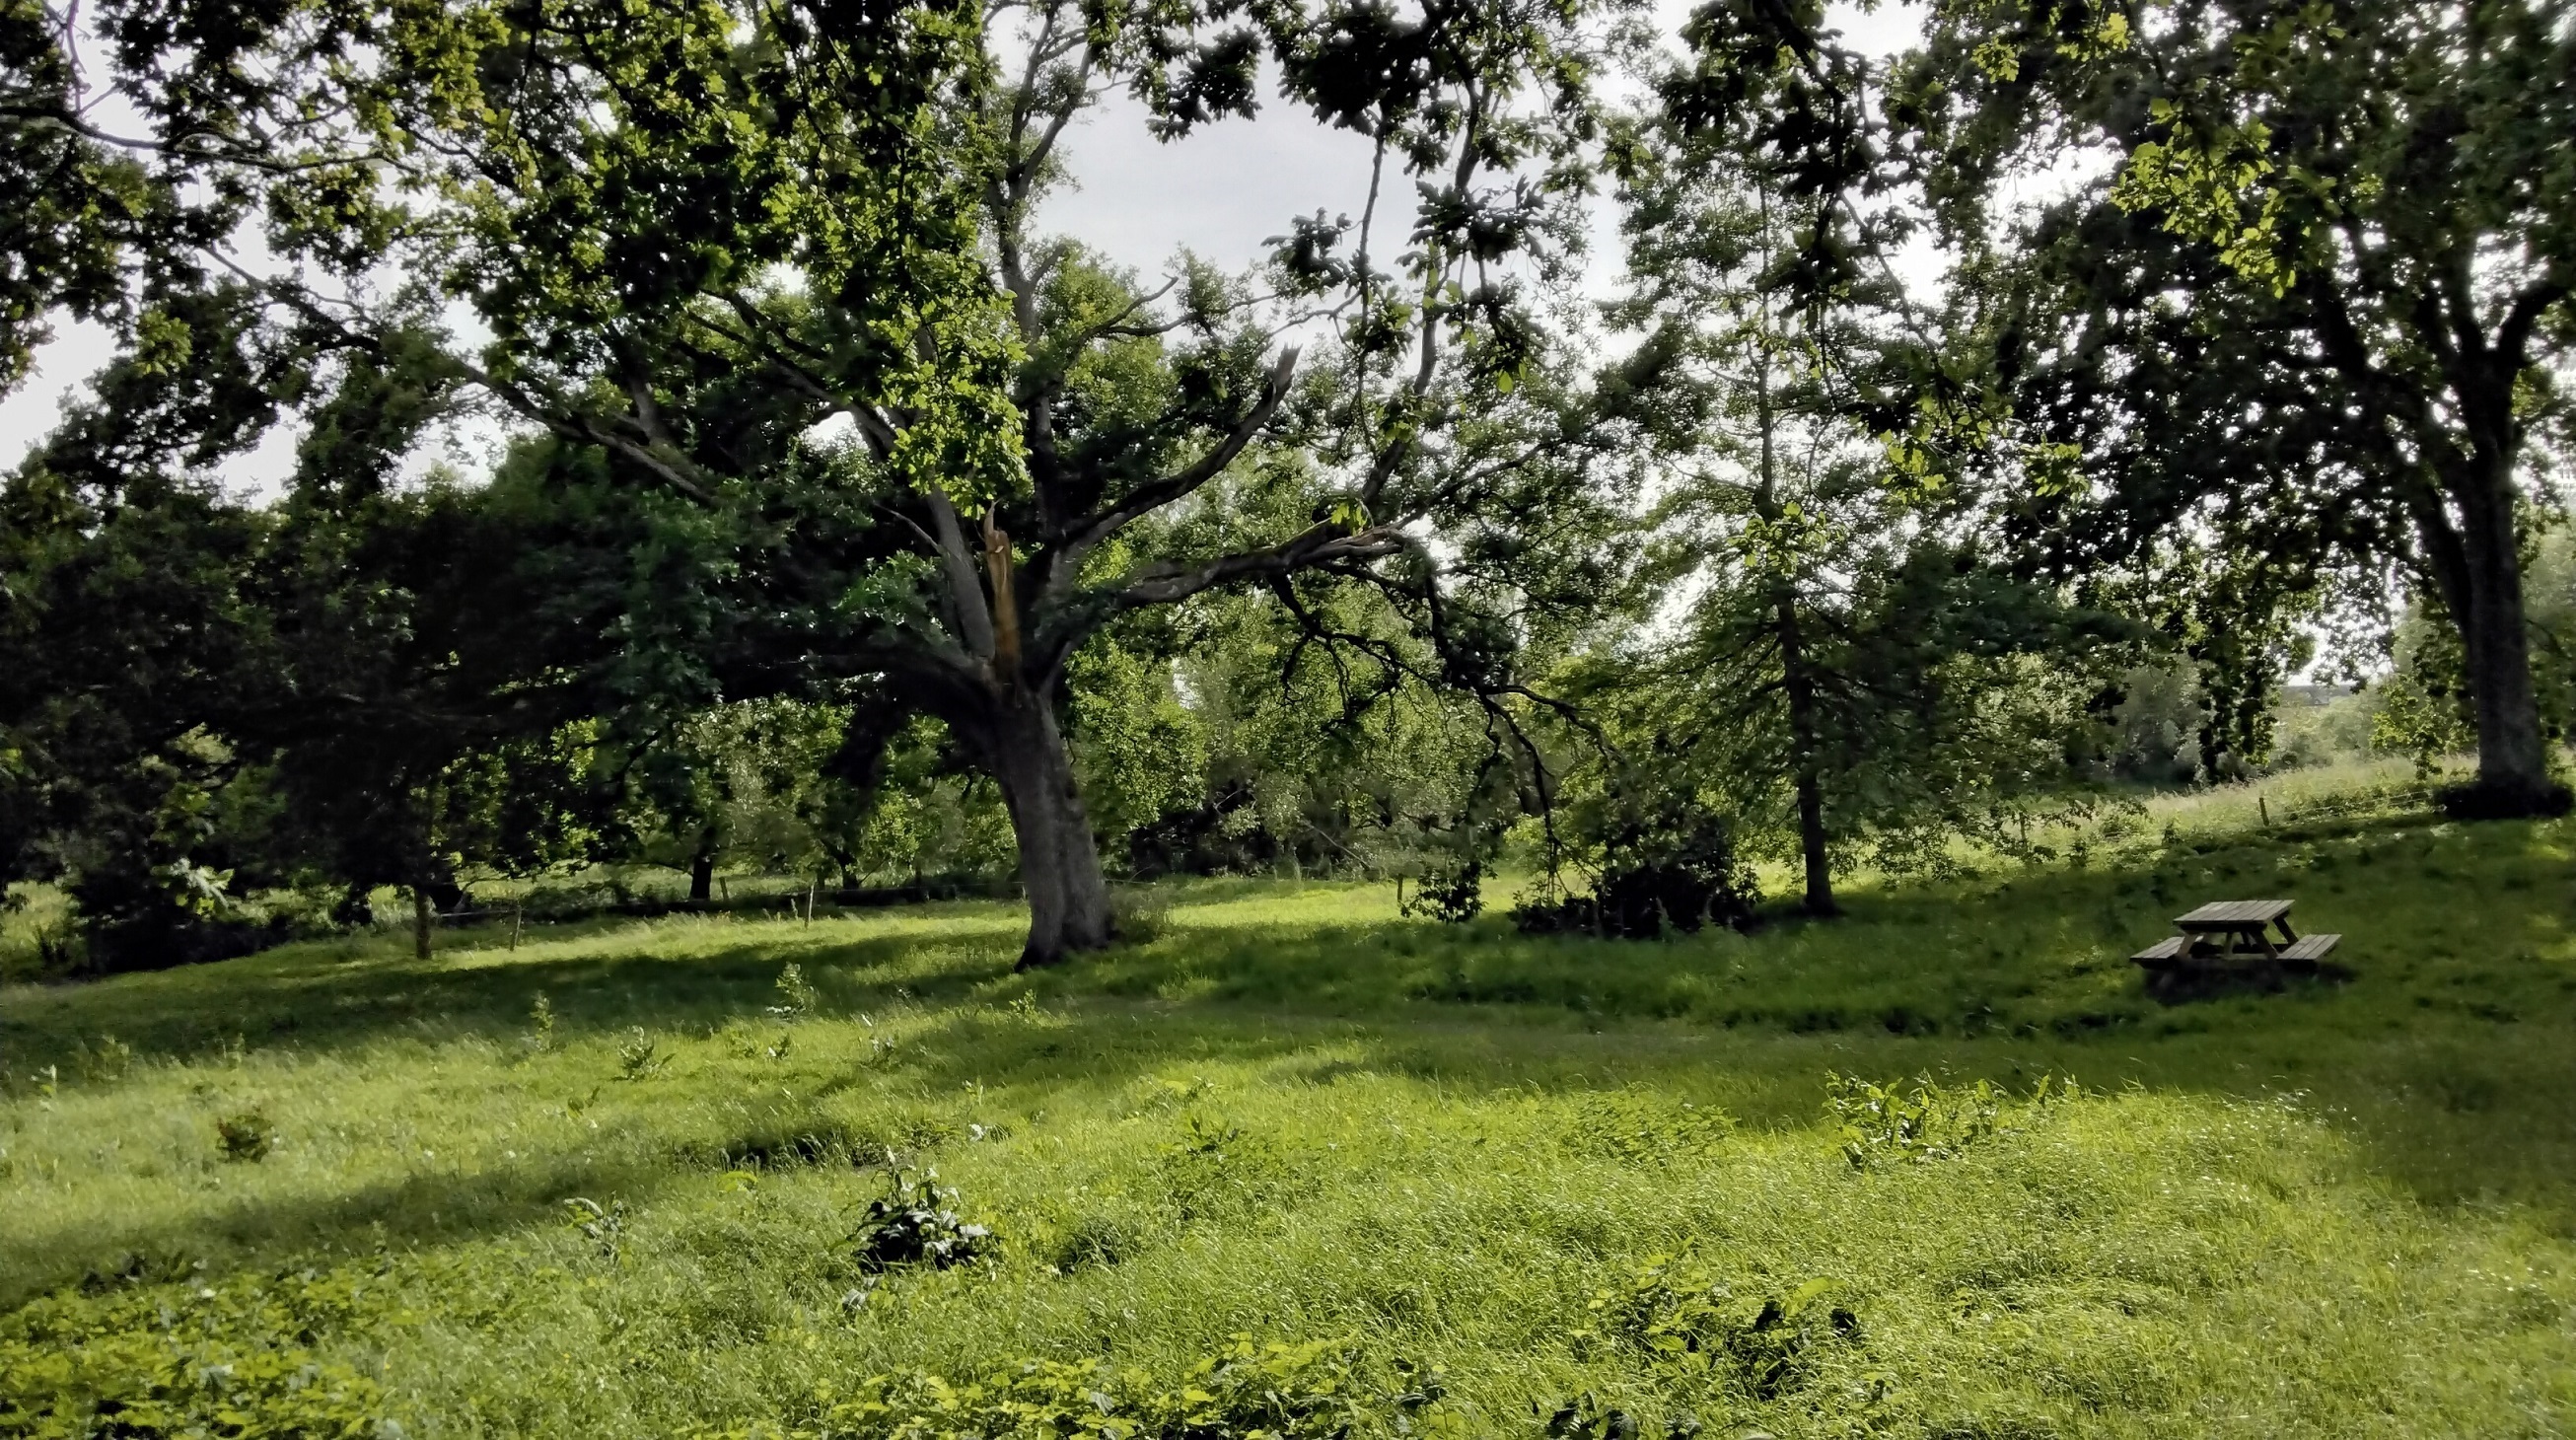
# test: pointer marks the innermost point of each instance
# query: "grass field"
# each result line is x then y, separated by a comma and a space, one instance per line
1543, 1167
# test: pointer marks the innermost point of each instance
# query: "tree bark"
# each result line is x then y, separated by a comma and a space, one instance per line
702, 868
1800, 687
2513, 755
1059, 861
419, 922
1796, 682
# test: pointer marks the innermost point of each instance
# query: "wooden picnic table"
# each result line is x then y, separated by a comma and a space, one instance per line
2233, 931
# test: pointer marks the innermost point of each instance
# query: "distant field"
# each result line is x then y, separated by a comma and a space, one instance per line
1543, 1167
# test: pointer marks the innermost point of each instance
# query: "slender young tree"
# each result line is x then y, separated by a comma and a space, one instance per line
1848, 667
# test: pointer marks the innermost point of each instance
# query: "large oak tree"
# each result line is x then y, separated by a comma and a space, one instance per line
774, 271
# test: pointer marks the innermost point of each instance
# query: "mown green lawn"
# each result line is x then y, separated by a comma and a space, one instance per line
1543, 1167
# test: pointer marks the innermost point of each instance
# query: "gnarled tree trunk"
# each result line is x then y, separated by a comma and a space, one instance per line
1059, 861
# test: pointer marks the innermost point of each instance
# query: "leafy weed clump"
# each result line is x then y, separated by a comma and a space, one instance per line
1758, 1345
641, 1057
1271, 1392
915, 1225
245, 1138
229, 1358
798, 997
1585, 1418
1929, 1122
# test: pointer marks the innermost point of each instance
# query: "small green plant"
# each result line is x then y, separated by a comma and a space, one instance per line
915, 1224
541, 1019
1929, 1122
1217, 1170
640, 1057
1678, 1316
109, 1059
1452, 895
245, 1138
800, 995
604, 1227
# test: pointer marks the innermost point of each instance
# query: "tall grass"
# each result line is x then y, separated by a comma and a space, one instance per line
2342, 1208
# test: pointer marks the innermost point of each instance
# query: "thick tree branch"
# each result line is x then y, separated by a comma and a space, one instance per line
974, 618
1063, 565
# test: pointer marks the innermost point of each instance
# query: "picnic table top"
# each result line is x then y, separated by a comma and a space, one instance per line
2234, 915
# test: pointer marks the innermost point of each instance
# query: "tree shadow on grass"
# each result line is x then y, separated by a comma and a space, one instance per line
323, 997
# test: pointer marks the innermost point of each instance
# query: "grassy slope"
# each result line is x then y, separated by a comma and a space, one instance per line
2339, 1210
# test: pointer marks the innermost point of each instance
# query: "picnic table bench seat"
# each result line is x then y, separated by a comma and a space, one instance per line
2163, 952
2309, 949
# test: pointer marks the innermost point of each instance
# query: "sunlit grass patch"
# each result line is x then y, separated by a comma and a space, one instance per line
613, 1181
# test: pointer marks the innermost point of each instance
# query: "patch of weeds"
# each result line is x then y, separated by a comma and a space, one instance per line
1639, 1128
641, 1057
1216, 1169
245, 1138
915, 1224
227, 1358
1272, 1392
108, 1060
1929, 1123
1761, 1345
1585, 1418
602, 1227
541, 1025
799, 997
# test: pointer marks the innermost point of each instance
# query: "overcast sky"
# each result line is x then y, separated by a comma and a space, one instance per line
1219, 193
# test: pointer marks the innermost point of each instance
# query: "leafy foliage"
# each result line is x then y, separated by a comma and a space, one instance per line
1758, 1345
1929, 1122
227, 1358
1243, 1392
247, 1136
916, 1224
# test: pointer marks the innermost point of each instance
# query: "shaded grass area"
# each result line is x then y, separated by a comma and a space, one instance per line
2338, 1209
